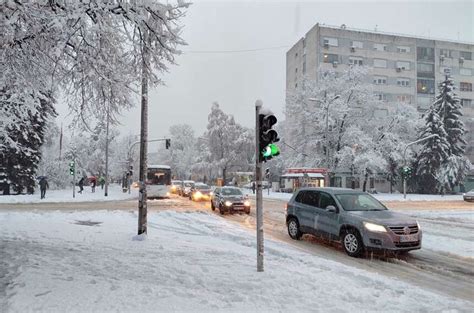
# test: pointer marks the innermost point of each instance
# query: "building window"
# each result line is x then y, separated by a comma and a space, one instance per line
381, 96
296, 85
465, 71
380, 113
336, 181
331, 58
404, 98
465, 86
467, 55
330, 42
304, 67
425, 54
403, 82
403, 65
355, 61
357, 44
380, 63
425, 86
425, 70
380, 80
446, 53
466, 102
424, 103
296, 55
380, 47
403, 49
296, 70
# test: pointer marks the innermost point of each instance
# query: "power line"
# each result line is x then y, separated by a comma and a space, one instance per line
234, 51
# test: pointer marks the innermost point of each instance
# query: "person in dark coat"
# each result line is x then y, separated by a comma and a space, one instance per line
43, 186
81, 185
93, 181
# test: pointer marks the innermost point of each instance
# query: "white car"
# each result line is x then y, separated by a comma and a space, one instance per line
469, 196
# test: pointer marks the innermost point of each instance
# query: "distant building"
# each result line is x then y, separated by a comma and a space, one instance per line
404, 68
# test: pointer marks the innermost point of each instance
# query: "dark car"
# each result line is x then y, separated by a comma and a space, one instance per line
200, 192
356, 218
230, 200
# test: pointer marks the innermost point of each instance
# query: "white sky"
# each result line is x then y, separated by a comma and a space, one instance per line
237, 80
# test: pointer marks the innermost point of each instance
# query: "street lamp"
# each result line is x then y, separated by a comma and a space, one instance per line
405, 160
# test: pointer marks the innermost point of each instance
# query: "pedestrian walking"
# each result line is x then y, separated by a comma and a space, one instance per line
81, 185
101, 182
93, 181
253, 187
43, 186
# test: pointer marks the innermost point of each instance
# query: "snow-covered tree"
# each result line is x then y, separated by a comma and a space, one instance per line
229, 145
20, 150
338, 123
444, 165
182, 154
433, 153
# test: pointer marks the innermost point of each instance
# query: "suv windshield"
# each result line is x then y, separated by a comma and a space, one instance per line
359, 202
231, 192
187, 184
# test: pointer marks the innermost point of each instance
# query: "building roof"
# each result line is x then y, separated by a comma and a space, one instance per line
296, 175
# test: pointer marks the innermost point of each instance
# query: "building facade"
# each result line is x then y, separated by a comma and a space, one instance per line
403, 68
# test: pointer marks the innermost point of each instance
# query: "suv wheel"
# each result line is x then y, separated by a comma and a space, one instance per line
212, 206
221, 209
352, 243
294, 229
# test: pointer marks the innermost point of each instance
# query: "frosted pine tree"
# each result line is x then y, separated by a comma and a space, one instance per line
454, 168
433, 153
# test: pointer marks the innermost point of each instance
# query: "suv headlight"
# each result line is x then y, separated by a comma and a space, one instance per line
374, 227
246, 203
418, 224
228, 203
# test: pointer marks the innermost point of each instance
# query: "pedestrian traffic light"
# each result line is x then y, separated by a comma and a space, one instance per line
168, 143
267, 136
71, 168
267, 173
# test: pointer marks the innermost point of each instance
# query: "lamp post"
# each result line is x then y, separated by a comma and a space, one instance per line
405, 160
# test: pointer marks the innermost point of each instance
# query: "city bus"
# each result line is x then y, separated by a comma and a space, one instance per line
158, 181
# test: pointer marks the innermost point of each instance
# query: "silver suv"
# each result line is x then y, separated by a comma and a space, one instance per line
356, 218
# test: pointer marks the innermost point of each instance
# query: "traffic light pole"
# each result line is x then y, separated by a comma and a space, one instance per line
258, 181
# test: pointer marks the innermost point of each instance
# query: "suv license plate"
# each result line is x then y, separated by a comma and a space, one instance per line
408, 238
238, 207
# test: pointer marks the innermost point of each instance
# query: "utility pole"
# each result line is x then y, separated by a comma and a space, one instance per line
106, 191
258, 182
142, 197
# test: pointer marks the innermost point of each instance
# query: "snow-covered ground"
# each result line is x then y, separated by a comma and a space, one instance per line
196, 262
379, 196
447, 231
65, 195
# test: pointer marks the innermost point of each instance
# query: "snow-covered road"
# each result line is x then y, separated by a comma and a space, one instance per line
86, 261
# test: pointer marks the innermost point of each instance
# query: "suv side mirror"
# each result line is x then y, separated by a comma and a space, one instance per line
331, 209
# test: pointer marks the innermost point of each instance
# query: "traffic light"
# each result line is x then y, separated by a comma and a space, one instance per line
267, 173
406, 171
71, 168
168, 143
267, 136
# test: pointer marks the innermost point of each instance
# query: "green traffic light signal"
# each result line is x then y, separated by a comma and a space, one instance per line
270, 151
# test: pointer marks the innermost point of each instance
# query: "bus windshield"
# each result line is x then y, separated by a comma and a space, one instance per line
159, 176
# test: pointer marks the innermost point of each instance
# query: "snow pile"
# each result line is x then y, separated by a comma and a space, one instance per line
114, 193
193, 262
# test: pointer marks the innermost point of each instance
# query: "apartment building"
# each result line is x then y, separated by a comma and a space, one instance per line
403, 68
